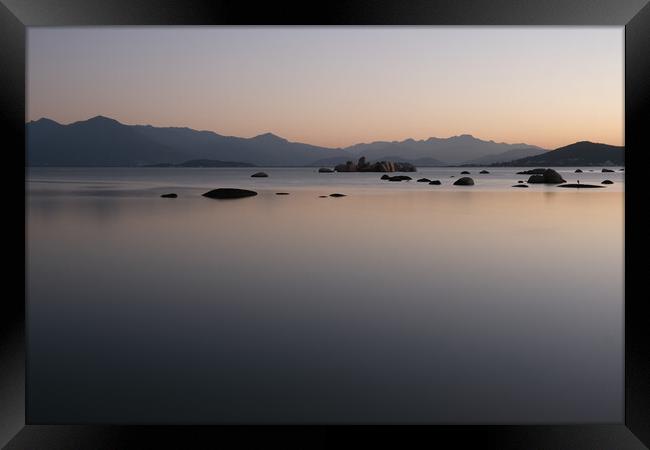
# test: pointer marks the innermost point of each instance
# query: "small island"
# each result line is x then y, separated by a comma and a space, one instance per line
380, 166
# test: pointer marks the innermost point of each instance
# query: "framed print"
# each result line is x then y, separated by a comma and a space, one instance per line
356, 214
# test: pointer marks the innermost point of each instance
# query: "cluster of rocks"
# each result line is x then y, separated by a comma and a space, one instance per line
380, 166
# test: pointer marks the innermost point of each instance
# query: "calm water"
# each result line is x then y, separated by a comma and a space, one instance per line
400, 302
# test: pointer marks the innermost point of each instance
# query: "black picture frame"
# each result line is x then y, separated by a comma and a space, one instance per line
16, 15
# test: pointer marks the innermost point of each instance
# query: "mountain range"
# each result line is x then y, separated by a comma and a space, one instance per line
102, 141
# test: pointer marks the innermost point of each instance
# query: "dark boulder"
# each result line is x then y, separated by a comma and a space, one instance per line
549, 176
606, 170
400, 178
464, 181
578, 171
337, 195
424, 180
607, 182
281, 193
325, 170
520, 185
385, 177
322, 196
464, 172
260, 175
227, 193
483, 172
621, 170
436, 182
172, 195
520, 181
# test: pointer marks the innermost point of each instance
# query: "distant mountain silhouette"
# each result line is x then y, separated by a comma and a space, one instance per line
506, 156
102, 141
453, 150
582, 153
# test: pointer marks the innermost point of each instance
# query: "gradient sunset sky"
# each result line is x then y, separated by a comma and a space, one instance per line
337, 86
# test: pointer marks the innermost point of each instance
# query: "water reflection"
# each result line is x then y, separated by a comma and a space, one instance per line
431, 306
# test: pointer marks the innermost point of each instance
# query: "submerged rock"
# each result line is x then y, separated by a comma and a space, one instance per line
606, 170
580, 186
337, 195
549, 176
578, 171
464, 181
281, 193
436, 182
520, 185
484, 172
424, 180
226, 193
260, 175
172, 195
464, 172
385, 177
520, 181
325, 170
531, 172
400, 178
607, 182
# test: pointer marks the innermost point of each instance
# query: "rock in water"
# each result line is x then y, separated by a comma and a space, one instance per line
424, 180
484, 172
260, 175
400, 178
578, 171
325, 170
580, 186
464, 181
607, 182
337, 195
606, 170
226, 193
549, 176
172, 195
464, 172
281, 193
385, 177
532, 172
520, 181
436, 182
520, 185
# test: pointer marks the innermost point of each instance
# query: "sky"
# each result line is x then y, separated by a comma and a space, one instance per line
338, 86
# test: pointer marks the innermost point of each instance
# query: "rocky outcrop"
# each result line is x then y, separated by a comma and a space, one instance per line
424, 180
578, 171
607, 182
606, 170
325, 170
520, 185
227, 193
380, 166
435, 182
464, 181
464, 172
549, 176
260, 175
337, 195
171, 195
483, 172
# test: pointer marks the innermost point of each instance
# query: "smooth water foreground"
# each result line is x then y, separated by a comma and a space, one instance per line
400, 302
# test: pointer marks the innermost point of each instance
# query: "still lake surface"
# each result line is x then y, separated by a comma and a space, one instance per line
402, 302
